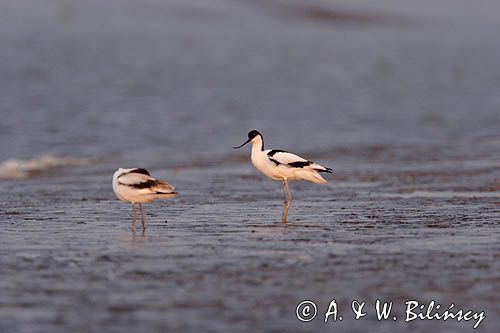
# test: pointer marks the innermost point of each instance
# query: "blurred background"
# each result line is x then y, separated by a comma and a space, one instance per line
401, 98
175, 81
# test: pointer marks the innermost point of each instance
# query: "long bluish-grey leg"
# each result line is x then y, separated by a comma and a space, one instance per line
142, 218
135, 218
288, 201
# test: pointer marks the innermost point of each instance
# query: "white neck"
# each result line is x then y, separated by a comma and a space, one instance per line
257, 144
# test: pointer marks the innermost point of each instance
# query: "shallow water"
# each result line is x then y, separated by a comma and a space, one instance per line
400, 99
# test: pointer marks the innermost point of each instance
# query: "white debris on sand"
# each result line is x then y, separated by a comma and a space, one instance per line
21, 169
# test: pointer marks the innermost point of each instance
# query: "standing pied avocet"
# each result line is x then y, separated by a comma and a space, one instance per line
284, 166
136, 186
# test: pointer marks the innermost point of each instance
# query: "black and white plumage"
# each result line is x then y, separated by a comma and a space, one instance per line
297, 168
136, 186
284, 166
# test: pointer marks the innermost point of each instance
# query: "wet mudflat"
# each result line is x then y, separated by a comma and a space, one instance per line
223, 262
402, 103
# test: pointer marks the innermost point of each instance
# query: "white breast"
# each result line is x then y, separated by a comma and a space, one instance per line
262, 163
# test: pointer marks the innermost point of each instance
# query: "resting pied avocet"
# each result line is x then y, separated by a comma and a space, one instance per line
136, 186
284, 166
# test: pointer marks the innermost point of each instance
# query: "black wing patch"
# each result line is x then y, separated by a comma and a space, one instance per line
328, 170
299, 164
141, 171
274, 151
273, 160
146, 184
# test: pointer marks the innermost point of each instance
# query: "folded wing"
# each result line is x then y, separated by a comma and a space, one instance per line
294, 161
146, 184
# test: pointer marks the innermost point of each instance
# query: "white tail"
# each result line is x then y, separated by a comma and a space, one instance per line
162, 187
312, 176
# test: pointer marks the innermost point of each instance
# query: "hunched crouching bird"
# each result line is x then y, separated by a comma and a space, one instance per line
136, 186
284, 166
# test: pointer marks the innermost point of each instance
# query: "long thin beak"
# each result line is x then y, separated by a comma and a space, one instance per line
244, 143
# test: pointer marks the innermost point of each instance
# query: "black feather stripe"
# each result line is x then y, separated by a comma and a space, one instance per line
274, 151
299, 164
146, 184
141, 171
273, 160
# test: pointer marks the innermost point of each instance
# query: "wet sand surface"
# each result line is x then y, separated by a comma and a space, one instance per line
400, 100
